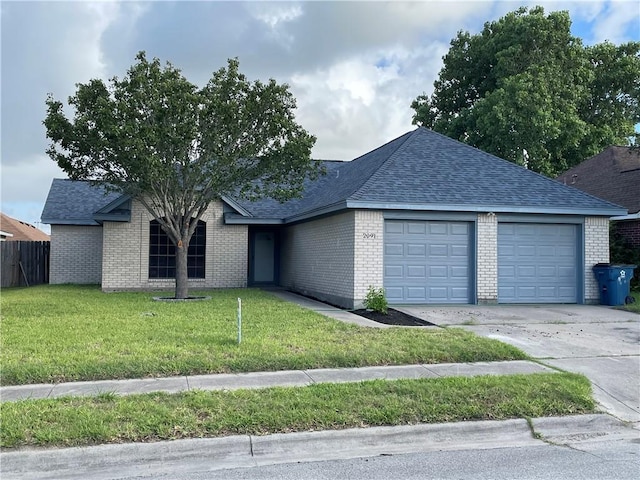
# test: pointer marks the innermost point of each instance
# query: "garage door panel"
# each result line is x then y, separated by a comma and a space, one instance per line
437, 228
438, 250
438, 294
525, 271
567, 272
547, 292
506, 271
394, 271
414, 250
537, 263
565, 250
461, 229
459, 272
546, 251
526, 293
416, 293
396, 249
428, 265
459, 250
394, 228
415, 228
416, 271
460, 293
567, 291
547, 271
438, 271
526, 251
393, 293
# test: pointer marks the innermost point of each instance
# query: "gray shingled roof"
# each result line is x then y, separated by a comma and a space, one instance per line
613, 174
425, 170
74, 203
420, 170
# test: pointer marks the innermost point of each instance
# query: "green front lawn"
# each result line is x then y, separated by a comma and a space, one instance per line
56, 333
142, 418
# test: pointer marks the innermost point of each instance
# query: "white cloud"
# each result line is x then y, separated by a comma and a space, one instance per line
354, 67
360, 103
47, 48
615, 21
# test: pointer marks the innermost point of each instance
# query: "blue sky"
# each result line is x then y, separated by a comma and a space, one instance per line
354, 67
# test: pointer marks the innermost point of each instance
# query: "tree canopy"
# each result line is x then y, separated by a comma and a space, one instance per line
175, 147
526, 90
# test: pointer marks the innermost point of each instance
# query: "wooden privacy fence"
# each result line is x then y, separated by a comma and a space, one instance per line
24, 263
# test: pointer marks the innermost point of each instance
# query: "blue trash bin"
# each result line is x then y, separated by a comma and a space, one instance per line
614, 283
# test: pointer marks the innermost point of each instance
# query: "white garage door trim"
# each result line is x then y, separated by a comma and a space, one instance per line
538, 263
428, 261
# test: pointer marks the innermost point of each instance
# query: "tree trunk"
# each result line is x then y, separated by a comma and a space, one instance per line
182, 278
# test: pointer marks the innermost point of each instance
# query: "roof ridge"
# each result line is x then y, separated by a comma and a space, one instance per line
408, 135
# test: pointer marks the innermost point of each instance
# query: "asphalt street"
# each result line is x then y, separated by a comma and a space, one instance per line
604, 460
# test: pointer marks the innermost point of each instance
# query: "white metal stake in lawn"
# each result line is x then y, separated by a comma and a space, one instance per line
239, 321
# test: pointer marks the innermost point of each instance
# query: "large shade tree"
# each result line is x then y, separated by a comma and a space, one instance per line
160, 139
526, 90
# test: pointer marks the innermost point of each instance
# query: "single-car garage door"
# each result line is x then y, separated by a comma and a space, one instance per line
426, 261
537, 263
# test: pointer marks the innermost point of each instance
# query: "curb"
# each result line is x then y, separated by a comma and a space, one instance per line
202, 455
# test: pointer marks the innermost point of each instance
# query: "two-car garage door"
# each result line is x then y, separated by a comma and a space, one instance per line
432, 262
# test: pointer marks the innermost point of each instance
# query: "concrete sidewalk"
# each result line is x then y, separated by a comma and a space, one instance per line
288, 378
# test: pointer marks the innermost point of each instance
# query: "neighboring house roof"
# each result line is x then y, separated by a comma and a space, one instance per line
420, 170
613, 174
12, 229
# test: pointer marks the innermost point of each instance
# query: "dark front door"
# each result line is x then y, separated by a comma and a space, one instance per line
262, 263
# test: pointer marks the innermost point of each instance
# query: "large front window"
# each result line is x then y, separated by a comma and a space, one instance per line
162, 252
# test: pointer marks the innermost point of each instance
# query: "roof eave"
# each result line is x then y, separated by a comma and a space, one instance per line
236, 206
631, 216
317, 212
237, 219
604, 212
80, 222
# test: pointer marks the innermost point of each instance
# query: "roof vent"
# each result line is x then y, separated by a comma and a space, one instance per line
574, 177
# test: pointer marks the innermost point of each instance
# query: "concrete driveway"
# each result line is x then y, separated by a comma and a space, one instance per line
599, 342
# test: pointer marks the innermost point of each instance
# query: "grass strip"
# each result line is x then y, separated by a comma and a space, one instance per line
635, 306
153, 417
61, 333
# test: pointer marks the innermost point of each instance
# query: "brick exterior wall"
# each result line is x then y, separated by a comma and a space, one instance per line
317, 258
76, 254
487, 259
335, 258
368, 254
596, 250
125, 264
630, 230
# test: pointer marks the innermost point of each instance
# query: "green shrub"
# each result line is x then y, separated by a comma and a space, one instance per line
376, 300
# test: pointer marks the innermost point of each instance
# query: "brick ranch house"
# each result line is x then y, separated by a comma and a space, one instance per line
430, 219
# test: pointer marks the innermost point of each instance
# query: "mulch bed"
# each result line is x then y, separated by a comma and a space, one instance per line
393, 317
